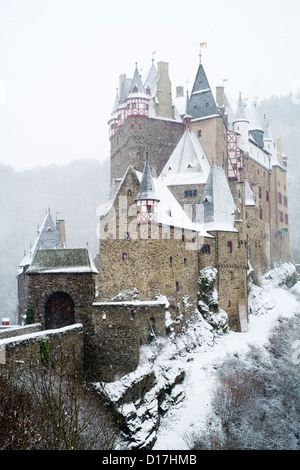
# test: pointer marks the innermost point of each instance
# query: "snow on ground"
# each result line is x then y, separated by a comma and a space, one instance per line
270, 301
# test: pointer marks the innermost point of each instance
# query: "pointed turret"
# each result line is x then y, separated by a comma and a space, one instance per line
147, 199
241, 125
202, 102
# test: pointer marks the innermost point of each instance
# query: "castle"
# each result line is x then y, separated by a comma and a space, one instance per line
195, 184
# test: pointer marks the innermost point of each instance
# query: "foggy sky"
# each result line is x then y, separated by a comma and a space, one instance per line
60, 62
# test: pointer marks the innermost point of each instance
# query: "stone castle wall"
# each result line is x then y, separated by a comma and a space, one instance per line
121, 328
22, 350
137, 136
213, 135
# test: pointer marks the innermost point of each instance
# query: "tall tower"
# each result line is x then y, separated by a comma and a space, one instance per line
207, 121
143, 118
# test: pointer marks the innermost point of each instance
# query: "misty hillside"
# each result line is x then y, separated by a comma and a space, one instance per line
74, 190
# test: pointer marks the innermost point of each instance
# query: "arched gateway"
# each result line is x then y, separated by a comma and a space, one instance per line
59, 310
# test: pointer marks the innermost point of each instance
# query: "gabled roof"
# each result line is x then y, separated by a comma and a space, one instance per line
202, 102
47, 237
76, 260
187, 164
217, 208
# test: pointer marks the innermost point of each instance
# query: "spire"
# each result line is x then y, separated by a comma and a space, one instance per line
147, 190
137, 87
240, 112
202, 102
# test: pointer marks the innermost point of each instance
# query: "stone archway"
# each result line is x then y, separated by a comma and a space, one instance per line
59, 310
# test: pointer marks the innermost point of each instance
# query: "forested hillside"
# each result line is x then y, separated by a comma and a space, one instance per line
74, 190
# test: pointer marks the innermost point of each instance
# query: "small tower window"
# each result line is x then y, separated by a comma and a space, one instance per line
229, 247
171, 260
124, 256
126, 236
177, 286
149, 209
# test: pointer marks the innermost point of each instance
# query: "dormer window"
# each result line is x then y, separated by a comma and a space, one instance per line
135, 89
148, 90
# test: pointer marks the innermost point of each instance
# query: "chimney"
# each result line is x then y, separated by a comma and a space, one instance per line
61, 227
220, 96
179, 91
164, 107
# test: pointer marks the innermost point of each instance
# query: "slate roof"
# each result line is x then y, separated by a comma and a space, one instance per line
202, 102
67, 260
47, 237
147, 190
187, 164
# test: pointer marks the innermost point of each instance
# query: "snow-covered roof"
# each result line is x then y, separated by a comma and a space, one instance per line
67, 260
249, 197
170, 212
187, 164
217, 207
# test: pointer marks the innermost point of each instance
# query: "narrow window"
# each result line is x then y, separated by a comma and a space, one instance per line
229, 247
171, 260
177, 286
124, 256
260, 213
184, 261
126, 236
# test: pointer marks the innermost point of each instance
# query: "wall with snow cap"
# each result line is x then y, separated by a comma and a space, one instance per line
120, 330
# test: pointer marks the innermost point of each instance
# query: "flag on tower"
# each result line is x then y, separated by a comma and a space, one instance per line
203, 44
